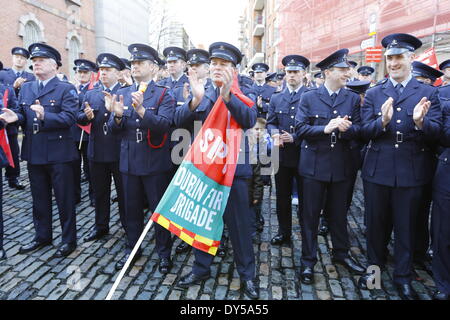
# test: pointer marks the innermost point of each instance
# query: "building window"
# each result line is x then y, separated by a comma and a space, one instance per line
74, 53
32, 34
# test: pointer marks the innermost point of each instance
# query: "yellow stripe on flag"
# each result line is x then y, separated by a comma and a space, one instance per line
212, 250
204, 240
186, 238
164, 222
177, 225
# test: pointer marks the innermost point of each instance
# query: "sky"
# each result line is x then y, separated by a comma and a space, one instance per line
208, 21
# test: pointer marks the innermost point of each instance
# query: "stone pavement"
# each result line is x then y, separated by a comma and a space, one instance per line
88, 273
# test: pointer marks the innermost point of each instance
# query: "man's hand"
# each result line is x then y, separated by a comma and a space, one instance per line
420, 111
286, 137
197, 88
117, 106
108, 101
186, 91
88, 111
332, 125
259, 102
8, 116
36, 107
387, 111
225, 90
19, 82
277, 141
344, 124
138, 100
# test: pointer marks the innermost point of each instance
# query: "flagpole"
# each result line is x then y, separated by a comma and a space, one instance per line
81, 139
130, 258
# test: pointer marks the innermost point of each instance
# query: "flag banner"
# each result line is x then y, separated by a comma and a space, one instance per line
194, 203
4, 142
429, 57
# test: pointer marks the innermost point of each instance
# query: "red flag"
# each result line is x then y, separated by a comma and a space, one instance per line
4, 143
429, 57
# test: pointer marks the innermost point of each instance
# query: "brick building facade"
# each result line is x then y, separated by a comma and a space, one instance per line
316, 28
67, 25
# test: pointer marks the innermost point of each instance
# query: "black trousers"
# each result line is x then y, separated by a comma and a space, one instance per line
44, 178
77, 171
136, 189
332, 196
101, 176
237, 218
397, 206
12, 174
284, 181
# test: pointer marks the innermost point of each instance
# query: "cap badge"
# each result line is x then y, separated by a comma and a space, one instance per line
135, 49
222, 47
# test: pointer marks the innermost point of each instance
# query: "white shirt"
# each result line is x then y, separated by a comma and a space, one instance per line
330, 92
404, 83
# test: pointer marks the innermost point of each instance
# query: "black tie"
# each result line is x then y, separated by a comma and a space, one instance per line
292, 95
41, 86
217, 92
108, 90
333, 97
399, 88
18, 74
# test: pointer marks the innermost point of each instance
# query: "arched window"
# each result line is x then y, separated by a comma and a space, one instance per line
32, 34
74, 53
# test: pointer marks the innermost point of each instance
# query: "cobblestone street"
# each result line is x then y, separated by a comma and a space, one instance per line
89, 272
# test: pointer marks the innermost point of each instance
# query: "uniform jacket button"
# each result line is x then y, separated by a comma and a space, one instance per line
399, 121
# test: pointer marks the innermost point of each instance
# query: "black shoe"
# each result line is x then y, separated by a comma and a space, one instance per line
95, 235
441, 296
222, 251
165, 264
260, 224
351, 265
190, 279
119, 264
32, 246
323, 230
306, 275
2, 254
280, 239
16, 185
65, 250
250, 289
182, 247
406, 292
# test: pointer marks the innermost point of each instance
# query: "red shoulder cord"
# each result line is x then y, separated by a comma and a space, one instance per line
165, 135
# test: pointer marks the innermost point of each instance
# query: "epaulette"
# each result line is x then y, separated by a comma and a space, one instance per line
380, 82
446, 86
162, 86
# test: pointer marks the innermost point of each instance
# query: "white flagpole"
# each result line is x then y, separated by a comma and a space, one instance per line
81, 139
130, 258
